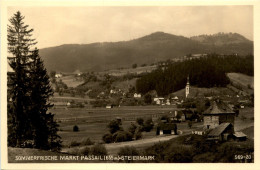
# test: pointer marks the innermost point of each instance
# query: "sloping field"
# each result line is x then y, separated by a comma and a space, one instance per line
71, 81
138, 70
201, 92
242, 79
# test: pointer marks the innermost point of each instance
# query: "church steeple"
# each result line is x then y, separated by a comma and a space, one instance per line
187, 92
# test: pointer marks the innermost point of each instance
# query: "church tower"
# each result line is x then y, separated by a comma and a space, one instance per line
187, 87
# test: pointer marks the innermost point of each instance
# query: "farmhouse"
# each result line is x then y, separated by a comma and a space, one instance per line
222, 133
166, 128
217, 114
137, 95
219, 118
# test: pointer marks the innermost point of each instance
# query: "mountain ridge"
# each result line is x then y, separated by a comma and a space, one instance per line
148, 49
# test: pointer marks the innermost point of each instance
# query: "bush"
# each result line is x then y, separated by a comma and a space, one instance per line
98, 149
114, 126
74, 151
179, 154
140, 121
122, 136
148, 125
74, 143
138, 134
87, 142
75, 128
85, 151
132, 128
107, 138
128, 151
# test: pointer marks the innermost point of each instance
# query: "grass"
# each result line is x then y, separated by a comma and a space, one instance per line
241, 79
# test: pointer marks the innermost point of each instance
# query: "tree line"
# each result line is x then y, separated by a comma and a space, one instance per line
29, 124
207, 72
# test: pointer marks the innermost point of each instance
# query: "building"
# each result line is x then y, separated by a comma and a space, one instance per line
217, 114
187, 91
166, 128
137, 95
221, 133
219, 120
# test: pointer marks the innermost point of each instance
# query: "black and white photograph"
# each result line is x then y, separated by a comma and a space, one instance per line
129, 84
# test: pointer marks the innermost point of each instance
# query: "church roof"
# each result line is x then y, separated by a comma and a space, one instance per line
218, 107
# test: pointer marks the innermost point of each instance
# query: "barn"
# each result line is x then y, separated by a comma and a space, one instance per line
166, 128
223, 132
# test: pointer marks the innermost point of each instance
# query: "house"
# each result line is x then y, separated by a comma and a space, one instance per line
240, 136
58, 75
217, 114
222, 132
137, 95
178, 116
158, 100
109, 106
198, 131
166, 128
219, 118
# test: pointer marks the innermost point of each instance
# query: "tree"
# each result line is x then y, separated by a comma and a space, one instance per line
147, 98
52, 74
134, 65
190, 124
19, 43
114, 126
140, 121
30, 90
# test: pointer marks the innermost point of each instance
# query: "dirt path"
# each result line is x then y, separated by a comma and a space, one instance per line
113, 148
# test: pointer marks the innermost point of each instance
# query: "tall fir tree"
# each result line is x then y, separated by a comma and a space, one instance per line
29, 91
19, 43
45, 128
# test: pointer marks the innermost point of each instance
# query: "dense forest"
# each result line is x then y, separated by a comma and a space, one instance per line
208, 72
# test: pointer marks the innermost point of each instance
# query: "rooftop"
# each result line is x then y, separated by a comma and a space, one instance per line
219, 107
219, 129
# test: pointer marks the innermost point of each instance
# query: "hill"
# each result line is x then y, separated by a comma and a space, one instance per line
149, 49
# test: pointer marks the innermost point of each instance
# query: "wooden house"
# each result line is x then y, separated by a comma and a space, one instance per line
166, 128
217, 114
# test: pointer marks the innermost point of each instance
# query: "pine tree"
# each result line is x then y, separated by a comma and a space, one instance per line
45, 128
19, 43
28, 92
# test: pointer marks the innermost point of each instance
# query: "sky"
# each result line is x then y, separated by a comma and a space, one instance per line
54, 26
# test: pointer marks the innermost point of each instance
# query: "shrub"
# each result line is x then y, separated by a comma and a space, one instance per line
179, 154
85, 151
148, 125
107, 138
75, 128
114, 126
138, 134
122, 136
87, 142
128, 151
74, 143
74, 151
140, 121
132, 128
98, 149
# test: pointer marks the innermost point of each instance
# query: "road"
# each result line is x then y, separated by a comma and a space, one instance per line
113, 148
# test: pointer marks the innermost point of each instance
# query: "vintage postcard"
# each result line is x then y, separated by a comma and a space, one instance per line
108, 85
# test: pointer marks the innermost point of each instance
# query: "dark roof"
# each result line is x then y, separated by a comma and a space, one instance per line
218, 107
167, 126
219, 129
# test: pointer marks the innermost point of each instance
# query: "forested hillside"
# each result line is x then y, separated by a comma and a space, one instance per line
149, 49
204, 72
